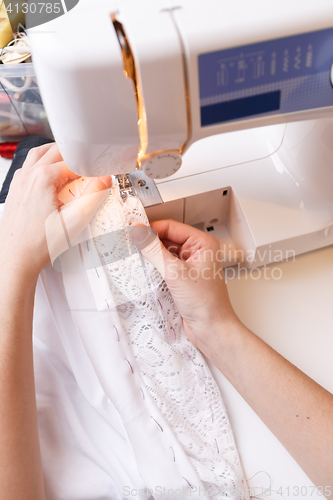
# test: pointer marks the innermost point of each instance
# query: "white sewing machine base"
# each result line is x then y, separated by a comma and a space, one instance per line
274, 203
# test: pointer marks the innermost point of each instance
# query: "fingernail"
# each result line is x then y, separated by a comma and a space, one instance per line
142, 236
106, 179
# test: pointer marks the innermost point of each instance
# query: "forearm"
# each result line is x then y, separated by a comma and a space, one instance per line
20, 463
294, 407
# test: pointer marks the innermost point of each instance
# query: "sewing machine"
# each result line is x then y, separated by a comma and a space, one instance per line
220, 112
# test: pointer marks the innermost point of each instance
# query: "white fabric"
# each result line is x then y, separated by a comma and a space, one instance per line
85, 451
125, 402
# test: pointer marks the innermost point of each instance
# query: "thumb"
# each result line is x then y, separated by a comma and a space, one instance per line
150, 246
67, 227
97, 184
78, 213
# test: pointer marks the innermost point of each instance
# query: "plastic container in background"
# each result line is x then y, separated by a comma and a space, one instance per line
21, 109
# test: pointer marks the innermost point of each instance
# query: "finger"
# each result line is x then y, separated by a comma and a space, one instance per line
35, 154
190, 239
97, 184
148, 243
52, 155
73, 221
183, 252
173, 247
59, 174
176, 232
195, 245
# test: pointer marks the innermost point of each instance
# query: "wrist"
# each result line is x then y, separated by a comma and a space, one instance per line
225, 341
16, 270
16, 260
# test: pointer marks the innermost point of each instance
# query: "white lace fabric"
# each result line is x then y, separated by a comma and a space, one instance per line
132, 362
174, 372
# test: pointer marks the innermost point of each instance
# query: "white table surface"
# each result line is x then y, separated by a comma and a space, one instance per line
294, 315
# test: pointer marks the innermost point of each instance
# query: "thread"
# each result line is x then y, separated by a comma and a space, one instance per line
118, 338
130, 365
7, 149
158, 424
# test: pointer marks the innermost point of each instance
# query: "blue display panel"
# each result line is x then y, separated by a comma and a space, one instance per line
279, 76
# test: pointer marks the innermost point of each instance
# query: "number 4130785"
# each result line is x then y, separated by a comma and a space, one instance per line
305, 491
34, 8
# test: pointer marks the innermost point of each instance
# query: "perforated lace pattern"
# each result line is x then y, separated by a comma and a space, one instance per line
174, 371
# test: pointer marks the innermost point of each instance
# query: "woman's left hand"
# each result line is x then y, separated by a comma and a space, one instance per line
32, 198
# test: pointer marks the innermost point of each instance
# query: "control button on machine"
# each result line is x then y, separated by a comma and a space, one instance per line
162, 164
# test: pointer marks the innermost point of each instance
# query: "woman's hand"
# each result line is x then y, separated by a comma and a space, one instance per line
296, 409
32, 198
190, 261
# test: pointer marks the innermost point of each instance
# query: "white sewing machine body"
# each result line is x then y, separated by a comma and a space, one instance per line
194, 70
